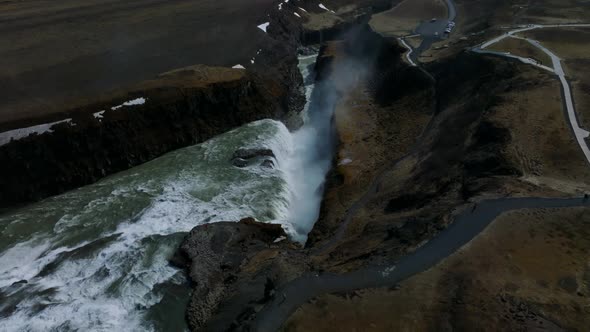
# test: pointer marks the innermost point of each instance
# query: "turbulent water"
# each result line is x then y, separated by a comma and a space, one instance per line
96, 258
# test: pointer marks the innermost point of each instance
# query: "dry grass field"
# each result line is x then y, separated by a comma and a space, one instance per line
406, 16
521, 48
572, 45
57, 52
528, 271
541, 140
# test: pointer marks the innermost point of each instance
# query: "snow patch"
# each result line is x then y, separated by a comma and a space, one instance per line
263, 26
321, 5
98, 115
238, 66
296, 14
133, 102
302, 9
345, 161
17, 134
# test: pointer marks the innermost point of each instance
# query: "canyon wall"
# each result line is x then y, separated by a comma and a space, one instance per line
182, 107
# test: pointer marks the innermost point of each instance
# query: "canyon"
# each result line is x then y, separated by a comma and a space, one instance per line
389, 181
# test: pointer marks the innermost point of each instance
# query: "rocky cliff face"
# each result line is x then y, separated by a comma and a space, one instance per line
182, 107
243, 261
388, 81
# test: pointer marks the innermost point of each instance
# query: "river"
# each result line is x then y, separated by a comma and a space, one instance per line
465, 226
97, 258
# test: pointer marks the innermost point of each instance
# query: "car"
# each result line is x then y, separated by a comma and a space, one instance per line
433, 19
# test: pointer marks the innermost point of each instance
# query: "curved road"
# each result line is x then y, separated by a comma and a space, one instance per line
556, 68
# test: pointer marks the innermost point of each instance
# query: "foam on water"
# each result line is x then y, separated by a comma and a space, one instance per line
311, 156
90, 257
94, 258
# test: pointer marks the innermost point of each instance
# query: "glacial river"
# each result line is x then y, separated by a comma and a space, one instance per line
97, 258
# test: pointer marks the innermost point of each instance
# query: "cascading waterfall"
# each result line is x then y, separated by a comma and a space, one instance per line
96, 258
312, 153
93, 259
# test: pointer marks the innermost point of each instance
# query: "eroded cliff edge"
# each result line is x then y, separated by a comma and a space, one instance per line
182, 107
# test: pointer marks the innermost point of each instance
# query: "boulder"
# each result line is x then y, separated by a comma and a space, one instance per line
268, 164
253, 153
228, 259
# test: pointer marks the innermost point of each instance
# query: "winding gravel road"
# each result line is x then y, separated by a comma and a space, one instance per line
556, 68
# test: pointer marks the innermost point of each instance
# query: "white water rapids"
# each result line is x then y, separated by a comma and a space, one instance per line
96, 258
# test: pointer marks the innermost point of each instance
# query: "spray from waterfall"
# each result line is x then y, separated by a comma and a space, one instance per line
315, 142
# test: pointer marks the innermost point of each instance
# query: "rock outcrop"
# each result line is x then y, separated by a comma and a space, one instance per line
243, 157
239, 262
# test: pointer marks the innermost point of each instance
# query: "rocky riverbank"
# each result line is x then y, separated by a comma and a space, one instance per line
227, 259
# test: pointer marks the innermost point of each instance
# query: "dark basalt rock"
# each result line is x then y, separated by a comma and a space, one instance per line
20, 282
253, 153
268, 164
243, 157
226, 259
239, 162
181, 109
569, 284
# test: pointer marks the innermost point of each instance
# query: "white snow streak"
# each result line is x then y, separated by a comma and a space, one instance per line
17, 134
321, 5
263, 26
134, 102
